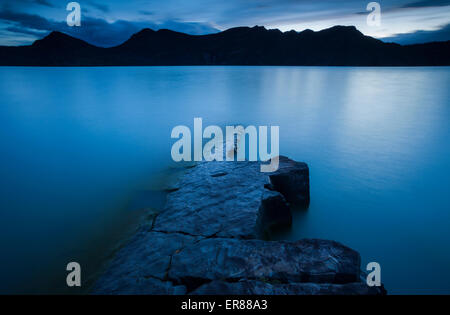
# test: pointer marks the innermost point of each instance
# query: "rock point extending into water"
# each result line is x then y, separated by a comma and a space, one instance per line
209, 240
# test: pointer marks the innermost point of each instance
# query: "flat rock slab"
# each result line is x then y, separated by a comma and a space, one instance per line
205, 241
317, 261
141, 266
173, 263
231, 199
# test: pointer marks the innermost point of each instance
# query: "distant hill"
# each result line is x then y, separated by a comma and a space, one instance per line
336, 46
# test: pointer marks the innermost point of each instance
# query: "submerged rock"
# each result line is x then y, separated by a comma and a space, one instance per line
207, 240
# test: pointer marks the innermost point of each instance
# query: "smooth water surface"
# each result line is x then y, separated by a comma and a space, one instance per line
78, 144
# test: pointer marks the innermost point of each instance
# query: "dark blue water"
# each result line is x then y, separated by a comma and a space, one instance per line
78, 144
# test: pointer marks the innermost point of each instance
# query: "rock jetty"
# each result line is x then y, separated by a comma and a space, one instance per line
210, 239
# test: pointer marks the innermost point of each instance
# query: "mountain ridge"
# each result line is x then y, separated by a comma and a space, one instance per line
335, 46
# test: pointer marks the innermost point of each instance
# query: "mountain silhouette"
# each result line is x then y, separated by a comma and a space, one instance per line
336, 46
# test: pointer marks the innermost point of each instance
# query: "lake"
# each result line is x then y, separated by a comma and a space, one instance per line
85, 151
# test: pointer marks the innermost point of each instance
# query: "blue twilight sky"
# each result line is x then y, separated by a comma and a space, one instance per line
110, 22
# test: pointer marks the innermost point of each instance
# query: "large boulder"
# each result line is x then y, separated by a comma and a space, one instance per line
292, 180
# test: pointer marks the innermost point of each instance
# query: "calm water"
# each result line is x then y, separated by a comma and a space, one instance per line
79, 144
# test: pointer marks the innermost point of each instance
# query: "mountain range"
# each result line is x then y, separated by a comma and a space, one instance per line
336, 46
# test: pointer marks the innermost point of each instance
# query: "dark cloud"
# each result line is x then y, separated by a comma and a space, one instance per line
95, 30
26, 31
99, 6
442, 34
144, 12
427, 3
10, 3
45, 3
172, 14
417, 4
25, 20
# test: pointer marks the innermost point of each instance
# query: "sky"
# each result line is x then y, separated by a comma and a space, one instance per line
111, 22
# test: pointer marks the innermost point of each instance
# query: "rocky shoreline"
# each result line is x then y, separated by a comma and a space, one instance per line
209, 239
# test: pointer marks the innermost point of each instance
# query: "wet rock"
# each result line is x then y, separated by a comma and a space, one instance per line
173, 263
206, 240
317, 261
292, 180
229, 199
141, 266
254, 287
274, 211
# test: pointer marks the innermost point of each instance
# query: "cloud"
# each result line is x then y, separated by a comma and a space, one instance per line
99, 6
27, 31
15, 3
144, 12
426, 4
45, 3
110, 22
411, 5
442, 34
95, 31
25, 20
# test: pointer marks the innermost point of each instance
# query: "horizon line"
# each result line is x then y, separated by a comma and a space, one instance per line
218, 32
